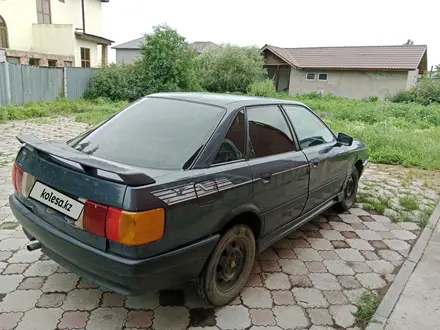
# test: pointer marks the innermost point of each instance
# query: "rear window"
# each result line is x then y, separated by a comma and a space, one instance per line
154, 133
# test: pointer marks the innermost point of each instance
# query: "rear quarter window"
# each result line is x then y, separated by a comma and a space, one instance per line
153, 133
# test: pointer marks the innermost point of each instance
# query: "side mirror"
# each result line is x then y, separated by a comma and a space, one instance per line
344, 139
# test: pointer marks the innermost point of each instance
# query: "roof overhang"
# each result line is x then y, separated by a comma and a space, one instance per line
90, 37
283, 55
277, 53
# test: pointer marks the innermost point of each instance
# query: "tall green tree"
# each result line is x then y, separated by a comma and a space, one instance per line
228, 68
167, 62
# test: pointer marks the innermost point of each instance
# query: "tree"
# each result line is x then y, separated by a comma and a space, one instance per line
228, 68
409, 42
167, 62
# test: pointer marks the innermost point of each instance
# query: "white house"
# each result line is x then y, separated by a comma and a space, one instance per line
54, 33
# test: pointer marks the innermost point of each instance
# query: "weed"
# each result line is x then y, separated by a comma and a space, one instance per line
409, 203
9, 225
394, 217
349, 263
424, 217
405, 217
366, 306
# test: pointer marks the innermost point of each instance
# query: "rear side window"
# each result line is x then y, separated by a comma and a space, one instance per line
153, 133
269, 133
233, 145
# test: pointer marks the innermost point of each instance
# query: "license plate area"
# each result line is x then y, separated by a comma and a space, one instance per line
56, 200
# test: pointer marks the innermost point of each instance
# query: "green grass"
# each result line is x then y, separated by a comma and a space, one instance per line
395, 133
366, 306
424, 217
378, 204
89, 111
409, 203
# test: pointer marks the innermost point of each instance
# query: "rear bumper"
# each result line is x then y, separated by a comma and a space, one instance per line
122, 275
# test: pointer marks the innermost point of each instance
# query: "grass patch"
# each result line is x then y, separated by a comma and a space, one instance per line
9, 225
366, 306
424, 217
89, 111
378, 204
409, 203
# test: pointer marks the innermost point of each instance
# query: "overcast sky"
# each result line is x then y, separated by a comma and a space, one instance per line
284, 23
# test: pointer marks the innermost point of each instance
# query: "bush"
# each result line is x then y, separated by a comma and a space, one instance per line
370, 99
228, 68
427, 92
166, 64
264, 88
116, 82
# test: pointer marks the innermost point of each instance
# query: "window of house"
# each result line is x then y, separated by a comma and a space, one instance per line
52, 63
13, 60
309, 128
3, 34
85, 57
34, 61
233, 146
269, 133
310, 76
43, 12
68, 64
322, 76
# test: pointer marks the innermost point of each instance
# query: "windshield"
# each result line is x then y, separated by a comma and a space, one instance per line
153, 133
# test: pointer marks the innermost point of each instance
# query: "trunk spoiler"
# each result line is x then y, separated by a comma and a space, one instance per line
89, 164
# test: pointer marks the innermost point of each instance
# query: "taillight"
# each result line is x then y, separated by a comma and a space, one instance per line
134, 228
17, 178
94, 218
129, 228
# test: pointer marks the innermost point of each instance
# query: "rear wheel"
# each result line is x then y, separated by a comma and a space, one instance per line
350, 192
229, 266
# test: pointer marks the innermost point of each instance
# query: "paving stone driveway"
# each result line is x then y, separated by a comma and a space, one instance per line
309, 280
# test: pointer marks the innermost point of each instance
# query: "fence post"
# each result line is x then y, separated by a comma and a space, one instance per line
7, 82
65, 81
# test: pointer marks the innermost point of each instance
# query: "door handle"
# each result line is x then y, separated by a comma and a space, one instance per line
265, 177
314, 162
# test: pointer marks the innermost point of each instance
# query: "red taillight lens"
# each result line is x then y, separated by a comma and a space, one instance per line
94, 218
129, 228
17, 177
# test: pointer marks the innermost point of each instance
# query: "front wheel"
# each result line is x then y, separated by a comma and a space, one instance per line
229, 266
350, 192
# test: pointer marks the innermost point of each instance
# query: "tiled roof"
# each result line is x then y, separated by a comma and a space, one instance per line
403, 57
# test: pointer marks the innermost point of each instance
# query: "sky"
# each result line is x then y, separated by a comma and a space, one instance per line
283, 23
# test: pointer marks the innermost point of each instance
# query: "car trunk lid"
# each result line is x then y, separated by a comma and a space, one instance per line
71, 190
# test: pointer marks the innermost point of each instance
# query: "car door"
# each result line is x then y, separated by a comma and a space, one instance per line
327, 159
279, 170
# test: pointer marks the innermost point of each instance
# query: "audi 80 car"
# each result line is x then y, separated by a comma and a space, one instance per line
182, 187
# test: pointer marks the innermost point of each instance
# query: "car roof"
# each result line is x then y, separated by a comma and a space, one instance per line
229, 101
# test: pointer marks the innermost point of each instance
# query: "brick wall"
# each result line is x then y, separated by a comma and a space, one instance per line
25, 57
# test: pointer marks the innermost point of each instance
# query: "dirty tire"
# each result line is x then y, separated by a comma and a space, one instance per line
207, 283
350, 199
